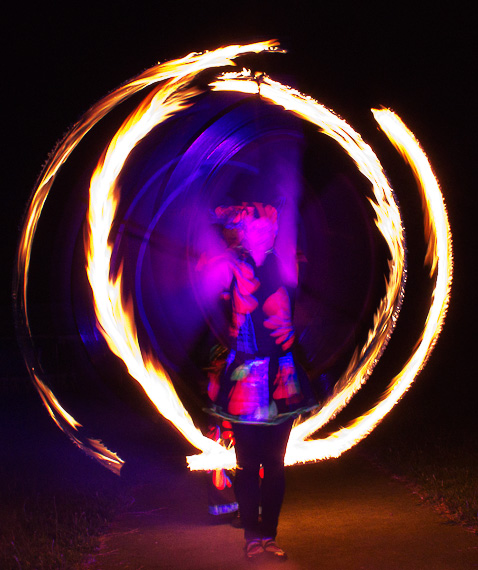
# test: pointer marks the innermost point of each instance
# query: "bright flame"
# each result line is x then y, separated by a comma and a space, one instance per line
53, 405
175, 72
388, 222
439, 257
116, 320
115, 316
96, 449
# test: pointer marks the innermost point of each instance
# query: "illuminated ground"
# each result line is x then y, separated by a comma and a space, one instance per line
343, 514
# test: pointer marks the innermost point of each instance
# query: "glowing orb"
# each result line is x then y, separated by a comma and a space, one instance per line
173, 91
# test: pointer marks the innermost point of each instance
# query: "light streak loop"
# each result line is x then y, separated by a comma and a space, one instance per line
115, 315
116, 319
439, 257
174, 71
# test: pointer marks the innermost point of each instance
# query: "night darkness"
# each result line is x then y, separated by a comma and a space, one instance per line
58, 60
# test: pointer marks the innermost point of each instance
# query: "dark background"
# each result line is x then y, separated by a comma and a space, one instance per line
59, 59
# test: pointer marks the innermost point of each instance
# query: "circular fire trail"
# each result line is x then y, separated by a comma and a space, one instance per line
174, 89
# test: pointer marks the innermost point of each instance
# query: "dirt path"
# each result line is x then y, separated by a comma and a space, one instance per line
342, 514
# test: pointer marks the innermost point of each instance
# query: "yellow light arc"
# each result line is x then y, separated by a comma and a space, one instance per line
172, 71
440, 259
115, 316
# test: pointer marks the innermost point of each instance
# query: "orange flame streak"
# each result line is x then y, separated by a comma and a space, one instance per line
439, 254
173, 71
114, 318
439, 257
388, 222
96, 449
113, 315
52, 405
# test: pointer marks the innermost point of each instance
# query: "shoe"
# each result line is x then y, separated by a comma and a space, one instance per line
253, 549
270, 547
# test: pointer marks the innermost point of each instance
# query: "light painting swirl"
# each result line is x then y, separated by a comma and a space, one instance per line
115, 316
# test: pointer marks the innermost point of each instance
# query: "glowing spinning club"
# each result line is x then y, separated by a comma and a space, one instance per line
172, 93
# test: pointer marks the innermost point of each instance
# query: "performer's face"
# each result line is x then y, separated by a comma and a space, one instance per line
259, 234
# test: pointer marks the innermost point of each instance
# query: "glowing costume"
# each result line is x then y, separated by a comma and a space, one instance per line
259, 388
260, 383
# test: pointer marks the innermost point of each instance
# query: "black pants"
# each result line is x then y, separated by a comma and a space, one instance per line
258, 445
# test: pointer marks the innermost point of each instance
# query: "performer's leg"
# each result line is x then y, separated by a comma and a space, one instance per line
273, 484
246, 483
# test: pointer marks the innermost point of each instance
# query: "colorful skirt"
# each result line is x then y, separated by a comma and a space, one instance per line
262, 390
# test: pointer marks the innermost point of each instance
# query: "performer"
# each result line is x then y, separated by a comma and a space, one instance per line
260, 390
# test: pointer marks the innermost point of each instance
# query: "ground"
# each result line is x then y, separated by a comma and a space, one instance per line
341, 514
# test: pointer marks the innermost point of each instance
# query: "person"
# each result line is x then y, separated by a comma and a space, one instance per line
260, 390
